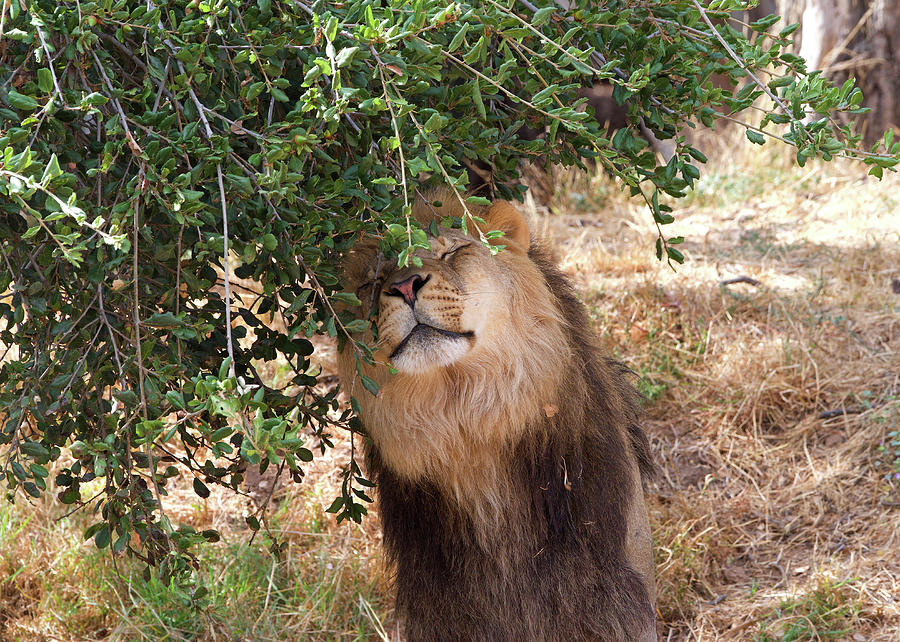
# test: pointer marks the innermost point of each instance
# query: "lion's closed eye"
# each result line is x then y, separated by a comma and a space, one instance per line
453, 250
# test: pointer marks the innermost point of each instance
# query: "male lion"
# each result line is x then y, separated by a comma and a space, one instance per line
505, 447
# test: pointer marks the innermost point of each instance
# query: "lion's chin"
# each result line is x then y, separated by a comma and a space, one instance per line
426, 348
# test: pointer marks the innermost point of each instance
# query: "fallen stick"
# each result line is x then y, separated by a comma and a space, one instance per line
740, 279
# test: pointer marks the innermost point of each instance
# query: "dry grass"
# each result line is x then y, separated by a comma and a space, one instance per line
773, 517
774, 514
328, 585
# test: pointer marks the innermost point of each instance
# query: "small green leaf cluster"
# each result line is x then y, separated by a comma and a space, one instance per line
181, 177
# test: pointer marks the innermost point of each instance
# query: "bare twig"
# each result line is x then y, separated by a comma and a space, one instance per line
137, 342
387, 99
132, 143
738, 60
137, 310
226, 265
40, 33
112, 337
740, 279
5, 4
227, 269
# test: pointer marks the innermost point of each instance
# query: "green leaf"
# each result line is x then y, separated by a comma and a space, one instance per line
336, 505
369, 384
434, 123
101, 539
211, 535
162, 320
784, 33
38, 471
357, 326
70, 495
221, 433
458, 38
34, 449
755, 137
200, 488
544, 95
51, 171
690, 170
224, 368
331, 28
255, 89
176, 399
476, 98
347, 298
675, 255
784, 81
21, 101
541, 16
764, 23
19, 471
269, 242
127, 397
311, 74
345, 56
94, 100
121, 541
45, 80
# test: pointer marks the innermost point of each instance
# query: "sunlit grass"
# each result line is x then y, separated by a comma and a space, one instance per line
826, 612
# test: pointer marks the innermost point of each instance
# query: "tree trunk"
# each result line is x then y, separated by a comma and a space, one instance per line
859, 38
881, 82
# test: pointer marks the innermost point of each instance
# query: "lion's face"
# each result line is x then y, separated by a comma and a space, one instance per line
454, 304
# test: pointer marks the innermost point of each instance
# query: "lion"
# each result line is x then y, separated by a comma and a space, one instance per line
505, 447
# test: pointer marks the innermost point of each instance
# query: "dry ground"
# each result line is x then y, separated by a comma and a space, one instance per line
769, 399
776, 512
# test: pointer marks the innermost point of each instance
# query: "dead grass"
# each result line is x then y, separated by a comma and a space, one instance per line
767, 402
774, 513
328, 585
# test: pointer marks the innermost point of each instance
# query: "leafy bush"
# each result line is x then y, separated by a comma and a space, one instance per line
172, 168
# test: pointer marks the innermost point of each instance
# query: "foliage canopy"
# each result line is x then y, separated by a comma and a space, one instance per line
169, 168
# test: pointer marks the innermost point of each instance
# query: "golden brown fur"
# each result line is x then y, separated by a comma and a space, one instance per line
506, 448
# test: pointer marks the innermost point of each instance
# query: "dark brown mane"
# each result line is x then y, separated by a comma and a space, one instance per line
600, 371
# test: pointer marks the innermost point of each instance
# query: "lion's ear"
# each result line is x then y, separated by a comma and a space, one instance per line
503, 215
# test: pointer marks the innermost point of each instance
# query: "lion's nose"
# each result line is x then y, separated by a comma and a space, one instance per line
408, 288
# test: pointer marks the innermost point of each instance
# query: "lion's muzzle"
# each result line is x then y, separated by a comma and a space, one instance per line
420, 322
